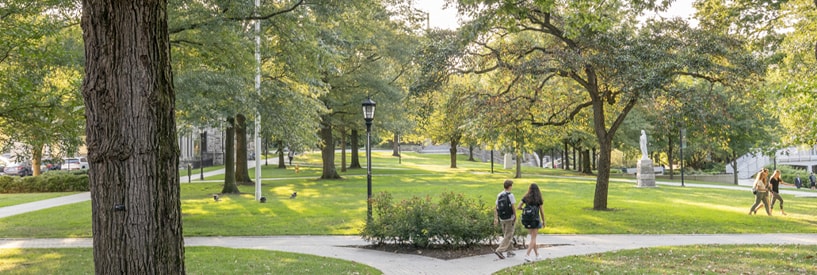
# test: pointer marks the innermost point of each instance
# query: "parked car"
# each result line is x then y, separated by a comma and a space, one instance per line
3, 162
18, 169
75, 163
50, 164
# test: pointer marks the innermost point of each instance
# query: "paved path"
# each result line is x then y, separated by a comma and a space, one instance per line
341, 247
391, 263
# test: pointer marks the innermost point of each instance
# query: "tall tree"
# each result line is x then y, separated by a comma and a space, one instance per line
600, 47
131, 135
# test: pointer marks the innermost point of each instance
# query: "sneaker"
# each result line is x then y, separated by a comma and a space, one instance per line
528, 259
499, 254
510, 254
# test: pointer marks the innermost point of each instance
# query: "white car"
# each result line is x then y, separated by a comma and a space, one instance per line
75, 163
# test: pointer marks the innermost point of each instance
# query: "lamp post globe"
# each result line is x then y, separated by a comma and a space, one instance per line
368, 115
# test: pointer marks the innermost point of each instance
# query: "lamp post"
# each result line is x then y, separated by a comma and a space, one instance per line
682, 133
368, 115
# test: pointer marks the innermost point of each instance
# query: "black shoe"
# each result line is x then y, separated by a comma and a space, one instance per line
499, 254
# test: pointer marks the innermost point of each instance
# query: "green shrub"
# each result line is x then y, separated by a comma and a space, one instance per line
453, 221
52, 181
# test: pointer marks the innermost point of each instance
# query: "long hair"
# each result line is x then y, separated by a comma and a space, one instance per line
761, 176
776, 175
533, 196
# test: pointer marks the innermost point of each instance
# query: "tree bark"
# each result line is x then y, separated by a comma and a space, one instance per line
518, 165
343, 150
455, 141
229, 159
669, 156
395, 145
328, 153
565, 159
355, 142
242, 172
131, 136
586, 162
36, 159
282, 164
471, 152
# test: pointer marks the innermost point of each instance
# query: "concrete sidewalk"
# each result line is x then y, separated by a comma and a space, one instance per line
391, 263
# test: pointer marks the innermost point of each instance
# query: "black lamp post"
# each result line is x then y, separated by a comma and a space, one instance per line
368, 115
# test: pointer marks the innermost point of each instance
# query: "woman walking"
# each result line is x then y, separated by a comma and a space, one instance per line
775, 182
533, 199
761, 192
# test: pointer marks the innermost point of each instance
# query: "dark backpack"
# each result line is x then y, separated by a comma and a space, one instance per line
530, 216
504, 208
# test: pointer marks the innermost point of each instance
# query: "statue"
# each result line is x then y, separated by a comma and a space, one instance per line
644, 154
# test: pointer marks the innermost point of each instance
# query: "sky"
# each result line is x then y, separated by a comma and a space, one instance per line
447, 18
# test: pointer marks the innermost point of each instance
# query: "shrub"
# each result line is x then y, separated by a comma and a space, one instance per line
48, 182
453, 221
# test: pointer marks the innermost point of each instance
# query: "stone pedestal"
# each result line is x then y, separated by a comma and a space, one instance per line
645, 176
508, 161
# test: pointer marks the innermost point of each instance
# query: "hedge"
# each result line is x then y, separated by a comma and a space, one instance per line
451, 221
52, 181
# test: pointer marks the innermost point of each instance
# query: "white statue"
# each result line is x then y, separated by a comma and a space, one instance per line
644, 145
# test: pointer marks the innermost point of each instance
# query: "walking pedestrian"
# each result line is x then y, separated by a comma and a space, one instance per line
761, 188
813, 180
533, 199
797, 182
505, 215
775, 182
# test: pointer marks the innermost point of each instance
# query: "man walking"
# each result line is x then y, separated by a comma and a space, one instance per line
505, 215
812, 180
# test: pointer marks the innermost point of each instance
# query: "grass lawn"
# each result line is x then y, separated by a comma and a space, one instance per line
693, 259
198, 260
338, 207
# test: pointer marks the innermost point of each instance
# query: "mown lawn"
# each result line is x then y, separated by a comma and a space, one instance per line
338, 207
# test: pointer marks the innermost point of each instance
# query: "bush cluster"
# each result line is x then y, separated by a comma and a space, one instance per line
53, 181
451, 221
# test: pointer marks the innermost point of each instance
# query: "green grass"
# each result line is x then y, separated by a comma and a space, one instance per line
693, 259
198, 260
338, 207
14, 199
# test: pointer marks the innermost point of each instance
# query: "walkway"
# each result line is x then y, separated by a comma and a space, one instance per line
342, 247
391, 263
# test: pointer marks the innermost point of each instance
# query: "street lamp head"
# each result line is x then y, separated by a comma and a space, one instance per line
368, 109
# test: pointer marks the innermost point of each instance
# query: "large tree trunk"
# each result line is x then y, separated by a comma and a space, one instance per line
131, 136
355, 149
603, 178
455, 141
242, 173
471, 152
36, 159
395, 148
519, 165
229, 159
281, 162
328, 153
